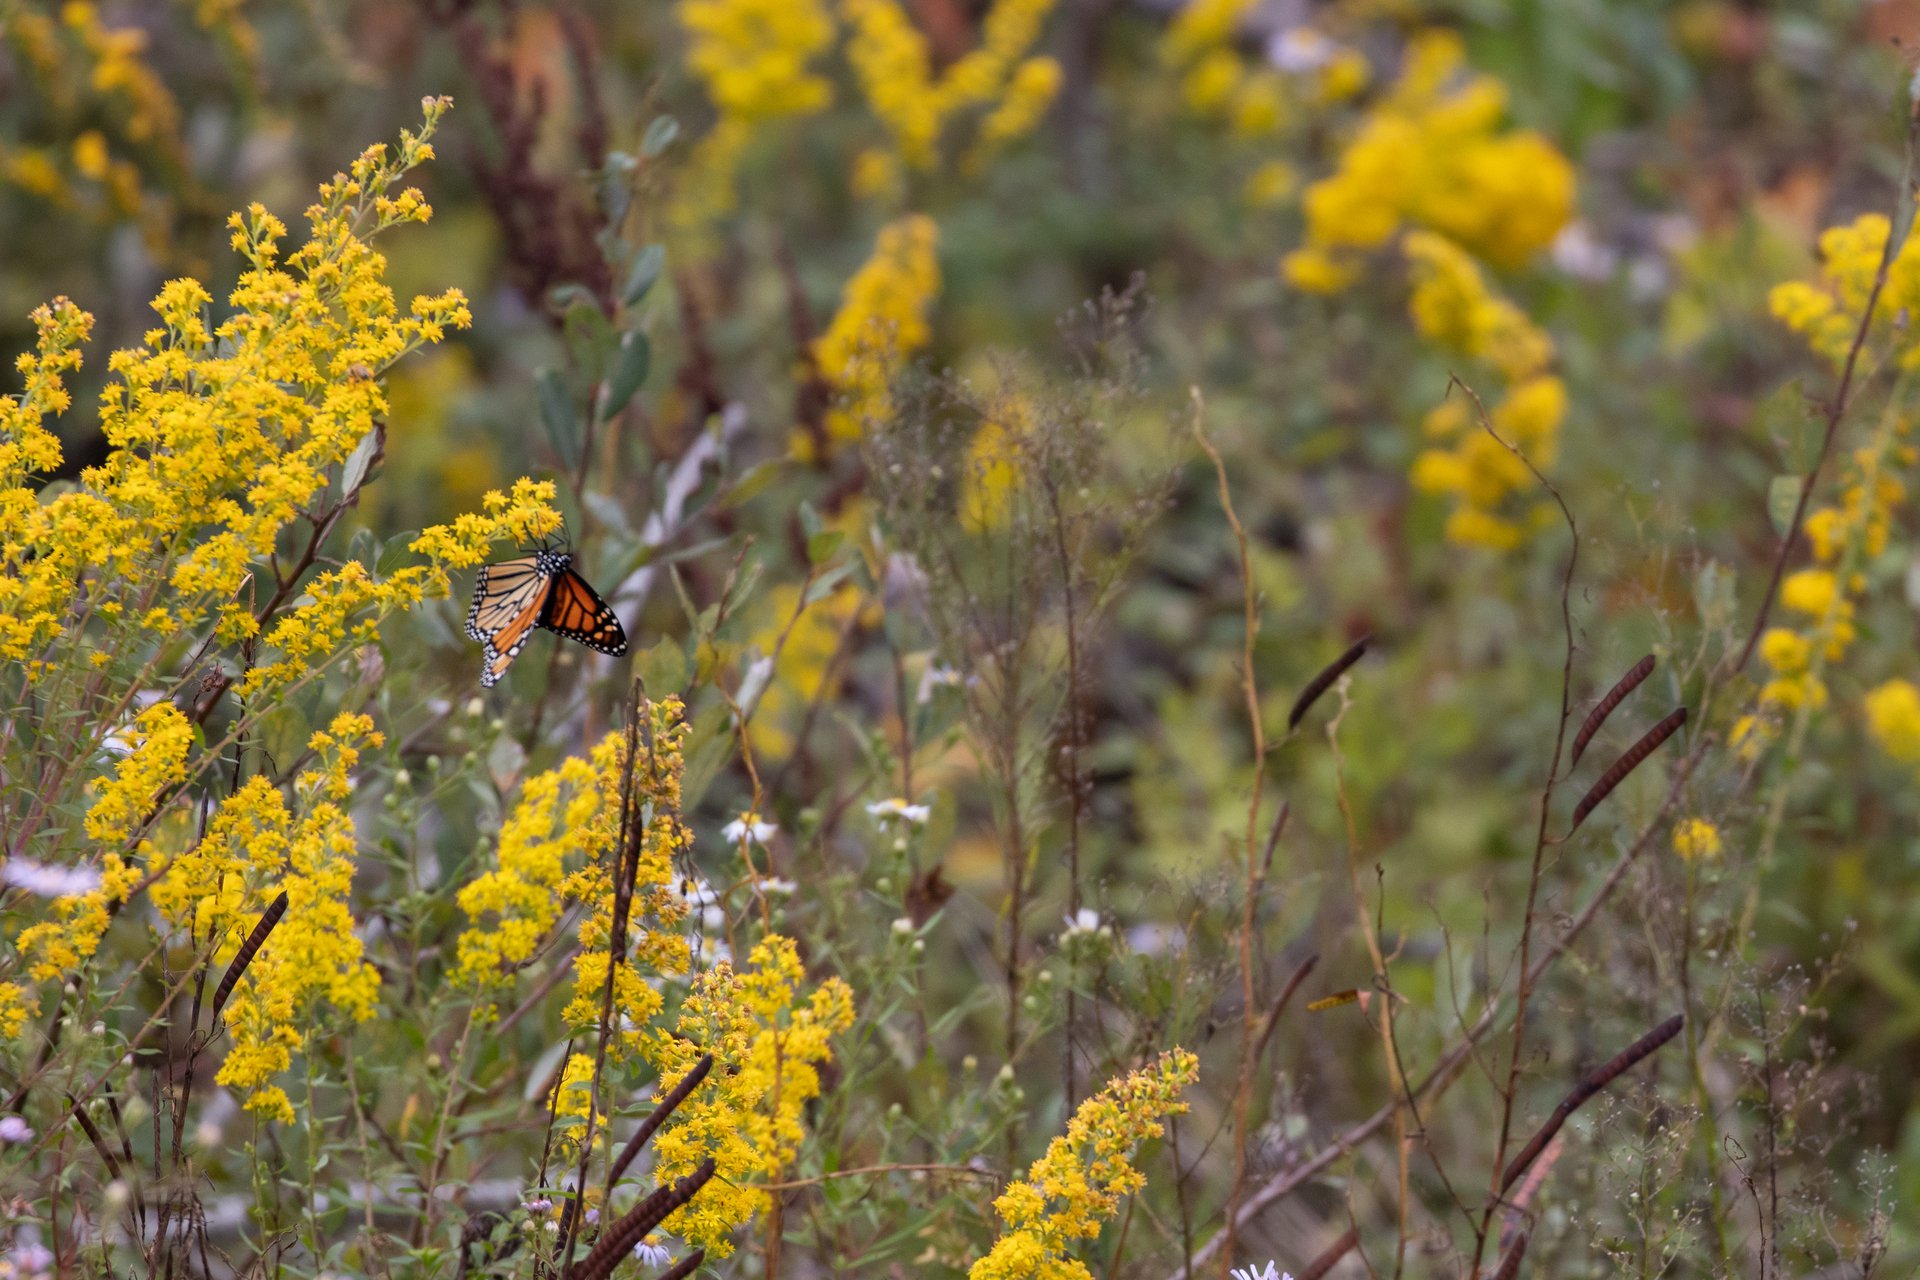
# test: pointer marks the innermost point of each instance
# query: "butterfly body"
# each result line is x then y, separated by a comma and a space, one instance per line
543, 589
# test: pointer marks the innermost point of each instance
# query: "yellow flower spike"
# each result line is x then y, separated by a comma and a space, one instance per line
553, 853
893, 62
1430, 155
768, 1045
1072, 1190
882, 321
157, 760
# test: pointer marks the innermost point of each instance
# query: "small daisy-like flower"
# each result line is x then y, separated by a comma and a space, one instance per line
14, 1129
777, 887
1085, 920
936, 678
651, 1253
898, 810
748, 827
539, 1205
1271, 1271
47, 881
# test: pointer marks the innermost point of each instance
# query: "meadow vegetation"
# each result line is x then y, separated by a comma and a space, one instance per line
1264, 638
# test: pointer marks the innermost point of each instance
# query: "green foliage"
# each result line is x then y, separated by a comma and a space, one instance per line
874, 371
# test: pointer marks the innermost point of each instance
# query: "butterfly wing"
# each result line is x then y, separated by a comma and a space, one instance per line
576, 611
507, 601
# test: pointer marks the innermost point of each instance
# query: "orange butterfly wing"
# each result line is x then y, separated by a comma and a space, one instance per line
508, 599
576, 611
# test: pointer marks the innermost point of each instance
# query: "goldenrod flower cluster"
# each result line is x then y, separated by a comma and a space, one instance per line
1254, 99
1433, 153
653, 942
557, 847
753, 56
1696, 838
122, 808
222, 439
1828, 314
894, 64
1893, 717
881, 322
767, 1045
1844, 535
1077, 1185
84, 69
992, 479
1455, 309
312, 962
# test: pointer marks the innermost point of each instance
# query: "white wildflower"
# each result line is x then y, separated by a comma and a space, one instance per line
1271, 1271
49, 882
898, 810
1085, 920
748, 826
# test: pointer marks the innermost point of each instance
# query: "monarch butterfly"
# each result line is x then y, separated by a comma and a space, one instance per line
513, 597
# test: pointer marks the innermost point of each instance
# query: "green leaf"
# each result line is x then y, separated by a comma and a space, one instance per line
664, 668
751, 482
630, 366
591, 337
1783, 495
396, 551
824, 585
556, 413
709, 744
822, 546
646, 270
564, 297
607, 510
660, 136
810, 522
354, 473
1713, 595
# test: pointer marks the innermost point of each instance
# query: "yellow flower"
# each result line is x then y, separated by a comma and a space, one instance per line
1810, 591
1432, 154
1273, 183
312, 963
1893, 717
1786, 651
14, 1009
1073, 1189
90, 155
573, 1093
161, 737
1696, 838
881, 322
893, 62
992, 475
1452, 306
803, 669
753, 56
1201, 25
1029, 92
1828, 314
768, 1045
